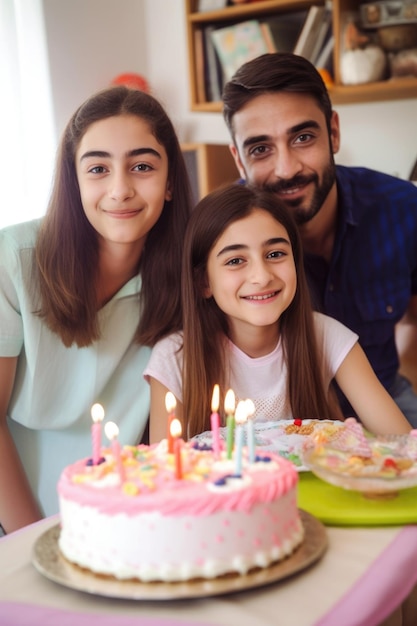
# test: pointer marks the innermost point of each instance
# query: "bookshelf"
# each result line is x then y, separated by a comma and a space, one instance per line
197, 22
209, 166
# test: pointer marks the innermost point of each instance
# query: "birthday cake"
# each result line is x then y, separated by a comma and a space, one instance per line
135, 517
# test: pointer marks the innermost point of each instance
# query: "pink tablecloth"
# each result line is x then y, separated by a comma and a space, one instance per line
400, 556
365, 574
17, 614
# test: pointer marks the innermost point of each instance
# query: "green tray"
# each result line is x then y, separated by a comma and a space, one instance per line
339, 507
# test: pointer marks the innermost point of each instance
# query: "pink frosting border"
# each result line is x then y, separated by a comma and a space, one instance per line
182, 497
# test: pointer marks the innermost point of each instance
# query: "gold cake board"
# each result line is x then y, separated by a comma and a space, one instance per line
48, 561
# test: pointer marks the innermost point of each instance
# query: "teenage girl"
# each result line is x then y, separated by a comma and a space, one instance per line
86, 291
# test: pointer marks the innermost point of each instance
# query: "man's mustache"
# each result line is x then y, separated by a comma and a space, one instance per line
284, 185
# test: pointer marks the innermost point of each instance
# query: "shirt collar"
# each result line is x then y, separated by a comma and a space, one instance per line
348, 209
131, 288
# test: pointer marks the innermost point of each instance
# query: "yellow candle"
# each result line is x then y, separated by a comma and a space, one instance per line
112, 431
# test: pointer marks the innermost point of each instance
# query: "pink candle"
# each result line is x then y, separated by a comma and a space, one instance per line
97, 415
170, 404
112, 431
176, 436
215, 421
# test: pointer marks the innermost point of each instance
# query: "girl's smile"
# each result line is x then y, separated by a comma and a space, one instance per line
252, 277
261, 297
122, 172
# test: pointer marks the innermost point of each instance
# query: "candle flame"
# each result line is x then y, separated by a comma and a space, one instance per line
175, 428
241, 414
215, 400
250, 408
97, 413
170, 402
229, 402
111, 430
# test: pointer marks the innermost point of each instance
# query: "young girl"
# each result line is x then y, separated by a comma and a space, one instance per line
85, 291
248, 325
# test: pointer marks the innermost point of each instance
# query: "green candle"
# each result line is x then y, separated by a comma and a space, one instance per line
230, 423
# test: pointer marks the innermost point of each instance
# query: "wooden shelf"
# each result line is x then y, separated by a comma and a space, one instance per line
392, 89
209, 167
244, 11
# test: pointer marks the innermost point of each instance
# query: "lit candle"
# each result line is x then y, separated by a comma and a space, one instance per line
240, 417
170, 404
176, 436
97, 415
229, 408
250, 430
215, 420
112, 431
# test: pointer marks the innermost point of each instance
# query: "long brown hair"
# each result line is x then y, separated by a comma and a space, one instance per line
67, 245
206, 326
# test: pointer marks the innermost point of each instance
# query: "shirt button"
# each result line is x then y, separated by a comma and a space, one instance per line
389, 308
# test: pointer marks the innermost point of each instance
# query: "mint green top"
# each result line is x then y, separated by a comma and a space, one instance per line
55, 387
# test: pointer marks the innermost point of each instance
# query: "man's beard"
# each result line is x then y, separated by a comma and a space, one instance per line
303, 214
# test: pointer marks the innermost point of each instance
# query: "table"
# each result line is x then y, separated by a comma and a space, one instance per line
362, 580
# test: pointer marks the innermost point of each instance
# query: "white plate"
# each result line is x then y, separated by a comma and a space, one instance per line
274, 437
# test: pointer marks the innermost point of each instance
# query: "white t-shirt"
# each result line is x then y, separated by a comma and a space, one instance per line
263, 379
55, 386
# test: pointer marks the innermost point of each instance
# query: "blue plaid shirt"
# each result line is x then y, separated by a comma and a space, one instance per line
373, 270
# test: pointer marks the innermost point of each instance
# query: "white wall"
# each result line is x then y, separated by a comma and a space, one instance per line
91, 41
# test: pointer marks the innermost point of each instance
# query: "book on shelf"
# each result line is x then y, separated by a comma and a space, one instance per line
210, 5
213, 72
323, 35
237, 44
282, 31
325, 58
308, 35
267, 35
201, 94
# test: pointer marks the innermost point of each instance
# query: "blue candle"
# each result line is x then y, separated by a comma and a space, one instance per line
240, 418
250, 430
229, 408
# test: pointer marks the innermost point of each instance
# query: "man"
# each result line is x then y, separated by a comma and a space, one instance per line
358, 226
